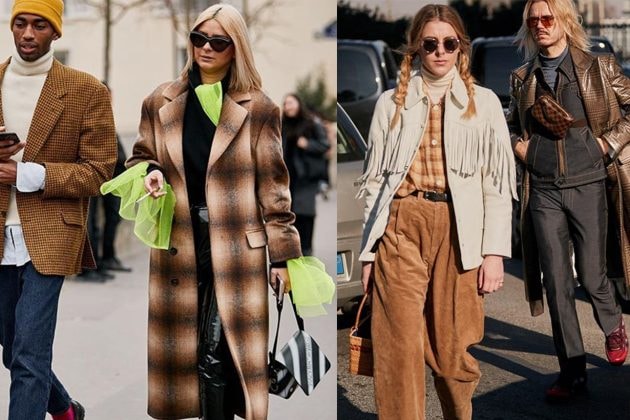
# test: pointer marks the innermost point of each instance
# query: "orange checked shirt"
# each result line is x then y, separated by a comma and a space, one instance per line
427, 169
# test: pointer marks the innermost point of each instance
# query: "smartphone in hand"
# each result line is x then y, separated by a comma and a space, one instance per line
12, 137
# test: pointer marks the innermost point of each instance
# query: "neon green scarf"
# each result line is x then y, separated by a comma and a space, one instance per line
153, 216
211, 99
311, 285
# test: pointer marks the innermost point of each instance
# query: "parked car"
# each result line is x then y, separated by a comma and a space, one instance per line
365, 69
494, 58
350, 155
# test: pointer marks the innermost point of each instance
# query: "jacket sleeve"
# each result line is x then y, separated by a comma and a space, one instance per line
318, 144
619, 135
369, 185
144, 149
498, 184
512, 117
272, 191
96, 157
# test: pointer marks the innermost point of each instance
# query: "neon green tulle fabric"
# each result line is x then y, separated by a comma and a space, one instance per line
211, 99
153, 216
311, 286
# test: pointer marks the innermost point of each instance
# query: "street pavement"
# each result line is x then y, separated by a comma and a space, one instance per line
100, 347
517, 362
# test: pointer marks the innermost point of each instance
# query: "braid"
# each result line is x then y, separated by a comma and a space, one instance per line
464, 71
401, 89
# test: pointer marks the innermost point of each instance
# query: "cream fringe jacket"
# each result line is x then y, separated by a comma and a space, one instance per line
479, 168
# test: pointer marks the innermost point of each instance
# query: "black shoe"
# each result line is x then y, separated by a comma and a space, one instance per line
563, 389
113, 264
106, 274
79, 411
94, 276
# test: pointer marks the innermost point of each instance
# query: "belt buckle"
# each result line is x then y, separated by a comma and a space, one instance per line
429, 195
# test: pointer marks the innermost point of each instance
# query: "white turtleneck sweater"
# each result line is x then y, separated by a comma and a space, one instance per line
436, 86
21, 87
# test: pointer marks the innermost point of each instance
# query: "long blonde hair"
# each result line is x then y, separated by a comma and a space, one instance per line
442, 13
566, 15
244, 75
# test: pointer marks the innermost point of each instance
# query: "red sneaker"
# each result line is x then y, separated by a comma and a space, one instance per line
617, 345
563, 389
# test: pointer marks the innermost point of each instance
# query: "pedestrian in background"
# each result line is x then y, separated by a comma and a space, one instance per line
67, 149
564, 185
305, 144
102, 228
438, 184
215, 137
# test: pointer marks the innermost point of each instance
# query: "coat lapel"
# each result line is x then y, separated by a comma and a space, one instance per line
47, 111
171, 116
589, 79
3, 69
233, 115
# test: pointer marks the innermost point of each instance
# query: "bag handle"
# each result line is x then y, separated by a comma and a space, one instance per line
279, 305
357, 321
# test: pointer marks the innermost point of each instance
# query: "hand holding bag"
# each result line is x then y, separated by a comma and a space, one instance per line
552, 116
361, 357
299, 362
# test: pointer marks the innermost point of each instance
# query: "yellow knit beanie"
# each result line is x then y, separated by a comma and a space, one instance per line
51, 10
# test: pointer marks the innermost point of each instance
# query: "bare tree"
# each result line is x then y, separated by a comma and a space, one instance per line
259, 18
112, 12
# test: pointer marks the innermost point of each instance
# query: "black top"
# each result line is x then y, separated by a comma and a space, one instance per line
198, 133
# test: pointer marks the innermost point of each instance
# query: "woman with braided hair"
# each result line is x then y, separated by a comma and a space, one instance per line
439, 182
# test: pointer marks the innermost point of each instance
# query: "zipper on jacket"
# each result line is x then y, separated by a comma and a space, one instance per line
561, 161
561, 143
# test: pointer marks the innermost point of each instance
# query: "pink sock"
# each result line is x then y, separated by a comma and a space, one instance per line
66, 415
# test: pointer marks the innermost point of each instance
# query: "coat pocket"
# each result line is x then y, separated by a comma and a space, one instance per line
256, 238
72, 219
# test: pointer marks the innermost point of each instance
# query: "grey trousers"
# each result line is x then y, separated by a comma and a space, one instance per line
580, 215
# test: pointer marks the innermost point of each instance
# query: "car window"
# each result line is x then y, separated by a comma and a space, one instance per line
498, 63
348, 149
356, 75
600, 46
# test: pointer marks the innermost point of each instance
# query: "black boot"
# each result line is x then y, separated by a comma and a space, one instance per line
212, 382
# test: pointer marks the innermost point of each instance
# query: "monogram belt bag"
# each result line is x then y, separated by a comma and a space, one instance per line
552, 116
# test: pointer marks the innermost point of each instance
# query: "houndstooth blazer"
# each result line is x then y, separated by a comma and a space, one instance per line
72, 134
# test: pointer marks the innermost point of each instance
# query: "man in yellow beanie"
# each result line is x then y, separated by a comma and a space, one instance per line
66, 150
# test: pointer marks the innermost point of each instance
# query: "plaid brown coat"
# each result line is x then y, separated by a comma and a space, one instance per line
606, 96
249, 210
72, 133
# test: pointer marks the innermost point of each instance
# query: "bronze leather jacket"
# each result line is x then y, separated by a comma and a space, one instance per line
605, 92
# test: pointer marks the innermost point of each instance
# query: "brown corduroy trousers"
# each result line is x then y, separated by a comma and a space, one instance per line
425, 309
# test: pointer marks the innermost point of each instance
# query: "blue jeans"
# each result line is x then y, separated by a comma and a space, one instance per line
28, 317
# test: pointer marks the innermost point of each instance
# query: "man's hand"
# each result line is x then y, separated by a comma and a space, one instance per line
367, 276
520, 150
602, 145
283, 273
8, 148
8, 172
154, 183
490, 277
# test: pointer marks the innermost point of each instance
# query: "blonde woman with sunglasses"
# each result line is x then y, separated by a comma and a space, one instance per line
439, 183
215, 138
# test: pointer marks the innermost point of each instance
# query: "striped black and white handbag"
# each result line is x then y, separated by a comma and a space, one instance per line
299, 362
